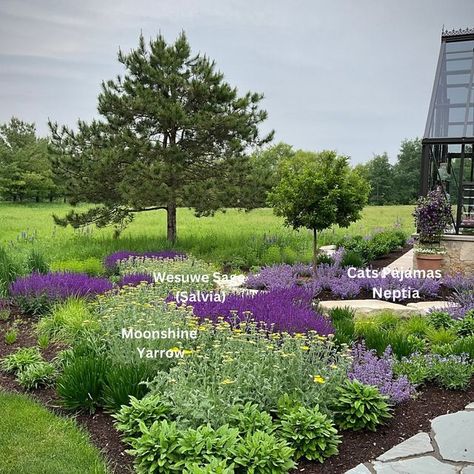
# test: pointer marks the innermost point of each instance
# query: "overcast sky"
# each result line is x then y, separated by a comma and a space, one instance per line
350, 75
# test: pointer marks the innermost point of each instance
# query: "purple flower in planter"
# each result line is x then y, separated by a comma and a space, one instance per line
134, 279
284, 309
112, 260
58, 286
369, 369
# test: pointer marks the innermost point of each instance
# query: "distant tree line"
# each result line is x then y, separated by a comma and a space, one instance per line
26, 166
28, 171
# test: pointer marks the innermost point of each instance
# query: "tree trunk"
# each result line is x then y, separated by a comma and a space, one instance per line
171, 234
315, 250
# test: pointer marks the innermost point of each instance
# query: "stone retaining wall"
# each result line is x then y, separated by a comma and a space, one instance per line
460, 254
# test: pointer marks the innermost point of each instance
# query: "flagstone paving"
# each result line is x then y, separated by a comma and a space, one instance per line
447, 449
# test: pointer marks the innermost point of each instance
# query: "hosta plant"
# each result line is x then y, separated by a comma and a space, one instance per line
149, 409
21, 359
263, 453
360, 407
40, 374
311, 433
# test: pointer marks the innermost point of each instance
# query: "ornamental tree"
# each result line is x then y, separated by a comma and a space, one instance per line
318, 190
172, 133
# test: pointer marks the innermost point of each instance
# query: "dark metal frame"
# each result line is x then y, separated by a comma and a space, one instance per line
435, 150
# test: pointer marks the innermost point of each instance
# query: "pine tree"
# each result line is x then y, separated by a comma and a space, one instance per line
172, 133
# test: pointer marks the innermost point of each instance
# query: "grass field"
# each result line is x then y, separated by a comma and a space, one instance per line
233, 237
34, 441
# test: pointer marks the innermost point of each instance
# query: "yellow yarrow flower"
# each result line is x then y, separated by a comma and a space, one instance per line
227, 382
318, 379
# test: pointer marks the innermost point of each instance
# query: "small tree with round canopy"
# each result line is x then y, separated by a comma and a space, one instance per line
318, 190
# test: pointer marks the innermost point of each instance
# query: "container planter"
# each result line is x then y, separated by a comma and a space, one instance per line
429, 261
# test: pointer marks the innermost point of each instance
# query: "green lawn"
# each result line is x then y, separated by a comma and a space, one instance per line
35, 441
256, 237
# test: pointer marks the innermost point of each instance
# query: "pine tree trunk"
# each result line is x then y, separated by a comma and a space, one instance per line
171, 234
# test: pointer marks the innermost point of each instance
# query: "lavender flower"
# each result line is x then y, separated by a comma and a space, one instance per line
134, 279
58, 286
284, 309
111, 261
369, 369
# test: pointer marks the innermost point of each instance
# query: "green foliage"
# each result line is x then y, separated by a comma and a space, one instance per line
249, 418
157, 449
11, 335
149, 409
376, 245
263, 453
441, 336
81, 384
379, 173
449, 371
317, 190
67, 320
192, 144
203, 444
123, 380
9, 271
36, 263
344, 325
25, 163
440, 320
406, 172
360, 406
352, 259
92, 266
215, 466
465, 327
20, 359
464, 345
310, 432
36, 375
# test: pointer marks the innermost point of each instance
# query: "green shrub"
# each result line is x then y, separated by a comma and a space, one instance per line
464, 345
20, 360
311, 433
157, 449
440, 320
352, 259
441, 336
81, 384
149, 409
416, 368
324, 258
36, 263
91, 266
4, 314
11, 335
215, 466
263, 453
9, 271
453, 373
450, 371
415, 326
125, 379
380, 339
67, 320
465, 327
36, 375
360, 407
204, 444
341, 314
249, 418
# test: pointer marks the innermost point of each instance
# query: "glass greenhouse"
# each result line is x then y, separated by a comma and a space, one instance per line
448, 142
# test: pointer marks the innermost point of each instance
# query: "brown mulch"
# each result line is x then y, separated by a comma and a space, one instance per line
409, 419
386, 260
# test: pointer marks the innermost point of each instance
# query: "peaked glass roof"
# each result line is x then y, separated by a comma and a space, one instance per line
451, 113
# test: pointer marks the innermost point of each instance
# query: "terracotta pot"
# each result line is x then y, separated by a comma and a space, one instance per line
429, 261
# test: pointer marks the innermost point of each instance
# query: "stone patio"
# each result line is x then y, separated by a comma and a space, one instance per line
447, 449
